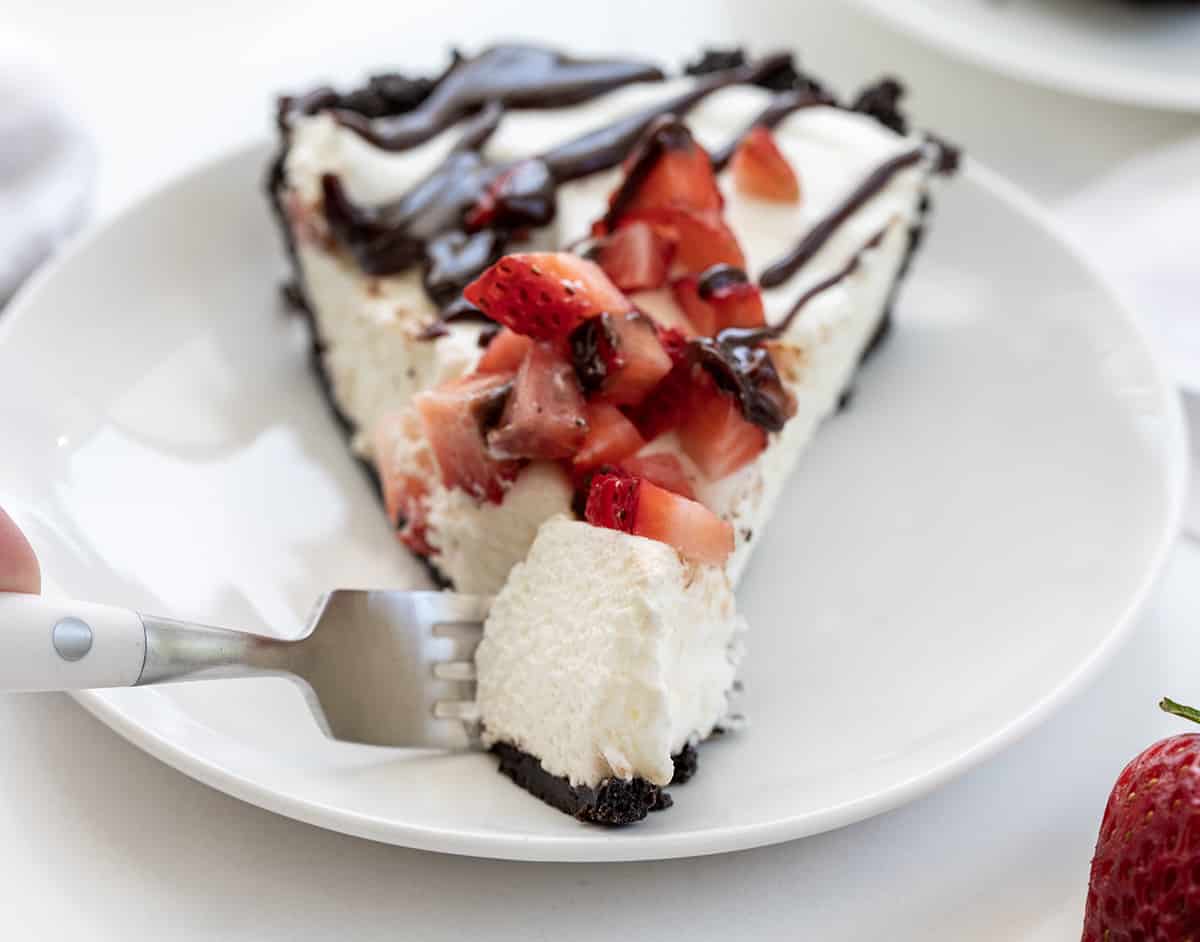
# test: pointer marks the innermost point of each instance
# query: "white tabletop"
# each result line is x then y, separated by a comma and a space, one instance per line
102, 842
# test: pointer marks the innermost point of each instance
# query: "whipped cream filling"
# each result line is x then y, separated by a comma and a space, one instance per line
605, 654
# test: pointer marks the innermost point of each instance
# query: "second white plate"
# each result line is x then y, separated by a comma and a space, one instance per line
957, 554
1110, 49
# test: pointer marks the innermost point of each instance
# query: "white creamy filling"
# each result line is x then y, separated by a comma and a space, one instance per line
605, 654
480, 543
634, 705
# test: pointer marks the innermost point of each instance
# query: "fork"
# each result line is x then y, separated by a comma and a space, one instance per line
387, 668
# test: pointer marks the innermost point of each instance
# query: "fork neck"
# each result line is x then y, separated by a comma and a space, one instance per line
178, 650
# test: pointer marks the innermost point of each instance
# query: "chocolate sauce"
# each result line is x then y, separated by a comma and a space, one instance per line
779, 272
513, 76
740, 363
747, 371
756, 335
607, 146
718, 278
463, 215
779, 108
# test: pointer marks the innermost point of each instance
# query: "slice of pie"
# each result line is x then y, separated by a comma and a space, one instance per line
581, 319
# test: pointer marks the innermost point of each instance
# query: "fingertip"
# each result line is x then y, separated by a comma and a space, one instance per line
19, 570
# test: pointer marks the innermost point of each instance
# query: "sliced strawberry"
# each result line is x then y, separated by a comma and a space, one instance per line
760, 169
612, 501
687, 295
545, 295
702, 238
666, 405
714, 433
689, 526
663, 469
636, 257
619, 358
721, 297
405, 493
622, 501
454, 418
667, 170
610, 438
544, 415
505, 352
675, 343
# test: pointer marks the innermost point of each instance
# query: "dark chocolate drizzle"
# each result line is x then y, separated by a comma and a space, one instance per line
748, 372
514, 76
741, 364
608, 146
718, 278
756, 335
463, 216
779, 272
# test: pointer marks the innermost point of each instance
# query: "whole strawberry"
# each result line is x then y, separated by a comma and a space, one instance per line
1145, 882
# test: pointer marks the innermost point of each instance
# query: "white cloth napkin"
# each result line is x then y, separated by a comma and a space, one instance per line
1142, 227
47, 166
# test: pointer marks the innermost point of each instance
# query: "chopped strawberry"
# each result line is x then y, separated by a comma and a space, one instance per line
545, 295
715, 434
761, 170
702, 238
663, 469
505, 352
622, 501
667, 170
675, 343
405, 493
544, 415
619, 357
721, 297
665, 406
636, 257
698, 311
610, 438
689, 526
612, 501
454, 417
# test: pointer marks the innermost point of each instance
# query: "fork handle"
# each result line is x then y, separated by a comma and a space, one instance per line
53, 644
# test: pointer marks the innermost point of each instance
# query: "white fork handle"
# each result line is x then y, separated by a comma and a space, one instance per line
50, 644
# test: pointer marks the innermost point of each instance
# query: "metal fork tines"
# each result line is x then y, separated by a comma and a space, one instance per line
381, 667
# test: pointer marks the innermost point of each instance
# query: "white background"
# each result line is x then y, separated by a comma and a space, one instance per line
102, 842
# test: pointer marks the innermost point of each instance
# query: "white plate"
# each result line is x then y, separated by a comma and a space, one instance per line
1099, 48
957, 554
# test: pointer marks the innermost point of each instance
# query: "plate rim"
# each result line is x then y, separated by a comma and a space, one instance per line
1129, 87
628, 845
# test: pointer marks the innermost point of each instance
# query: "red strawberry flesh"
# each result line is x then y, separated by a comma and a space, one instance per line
545, 295
714, 433
504, 353
622, 501
1145, 875
610, 437
661, 468
761, 170
544, 414
454, 419
636, 257
688, 525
